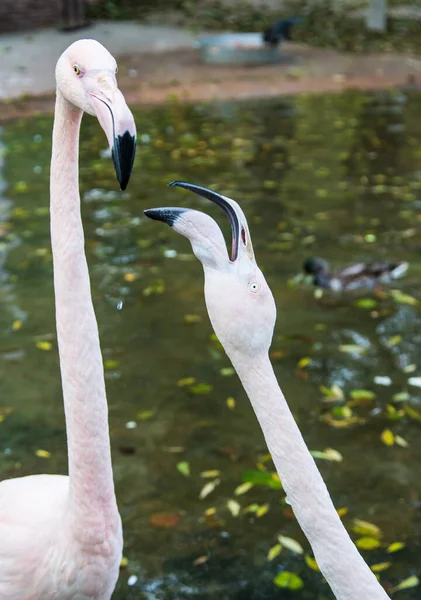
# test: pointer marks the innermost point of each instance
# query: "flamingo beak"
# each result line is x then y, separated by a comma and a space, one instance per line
166, 215
220, 201
118, 124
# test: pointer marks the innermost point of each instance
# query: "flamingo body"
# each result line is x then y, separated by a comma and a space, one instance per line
61, 537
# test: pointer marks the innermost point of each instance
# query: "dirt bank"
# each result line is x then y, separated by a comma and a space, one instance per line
151, 78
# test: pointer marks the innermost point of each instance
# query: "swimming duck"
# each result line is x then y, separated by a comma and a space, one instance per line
353, 277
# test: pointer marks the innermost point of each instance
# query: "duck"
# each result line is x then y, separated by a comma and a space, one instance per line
356, 276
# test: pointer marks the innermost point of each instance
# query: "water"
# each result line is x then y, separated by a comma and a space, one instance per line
337, 176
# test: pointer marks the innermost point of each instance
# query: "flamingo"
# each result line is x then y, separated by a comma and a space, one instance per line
242, 312
61, 537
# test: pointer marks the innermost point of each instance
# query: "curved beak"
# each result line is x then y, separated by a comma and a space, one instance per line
221, 201
118, 124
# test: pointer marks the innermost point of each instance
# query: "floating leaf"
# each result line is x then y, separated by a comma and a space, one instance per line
342, 511
394, 340
274, 552
230, 403
382, 380
46, 346
200, 560
186, 381
415, 381
208, 488
145, 415
210, 511
332, 394
288, 580
395, 547
352, 349
43, 453
328, 454
262, 510
210, 474
406, 584
367, 543
379, 567
227, 371
290, 544
234, 507
184, 468
311, 562
16, 325
124, 562
387, 437
200, 388
243, 488
362, 394
130, 277
366, 528
164, 519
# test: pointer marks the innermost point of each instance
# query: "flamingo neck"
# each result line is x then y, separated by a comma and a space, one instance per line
82, 374
348, 575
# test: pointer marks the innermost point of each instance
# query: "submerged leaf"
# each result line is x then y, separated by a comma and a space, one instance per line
186, 381
145, 415
362, 394
211, 473
261, 478
164, 519
200, 388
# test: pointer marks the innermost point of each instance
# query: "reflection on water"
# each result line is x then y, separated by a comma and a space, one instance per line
337, 176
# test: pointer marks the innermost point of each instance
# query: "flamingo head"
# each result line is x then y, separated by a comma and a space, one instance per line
86, 78
239, 301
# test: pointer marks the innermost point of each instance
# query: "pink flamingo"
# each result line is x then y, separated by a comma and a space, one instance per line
243, 313
61, 537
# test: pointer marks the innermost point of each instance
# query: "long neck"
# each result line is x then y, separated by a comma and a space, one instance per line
82, 374
339, 560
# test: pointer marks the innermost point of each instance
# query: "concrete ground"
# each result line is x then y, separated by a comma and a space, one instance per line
27, 60
156, 62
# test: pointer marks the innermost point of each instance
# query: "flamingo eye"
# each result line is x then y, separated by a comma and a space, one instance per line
254, 287
77, 70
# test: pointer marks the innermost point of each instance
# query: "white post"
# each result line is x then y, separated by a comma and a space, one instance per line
377, 15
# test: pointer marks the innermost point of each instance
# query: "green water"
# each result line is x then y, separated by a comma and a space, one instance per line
337, 176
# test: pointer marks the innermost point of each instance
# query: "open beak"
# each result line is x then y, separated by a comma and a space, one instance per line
118, 124
220, 201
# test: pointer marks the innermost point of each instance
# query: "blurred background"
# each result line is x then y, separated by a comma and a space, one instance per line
317, 135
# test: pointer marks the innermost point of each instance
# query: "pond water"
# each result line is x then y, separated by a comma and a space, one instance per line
331, 175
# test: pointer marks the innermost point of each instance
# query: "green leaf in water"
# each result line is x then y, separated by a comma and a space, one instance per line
288, 580
184, 468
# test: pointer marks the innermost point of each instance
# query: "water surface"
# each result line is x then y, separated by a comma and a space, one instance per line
334, 175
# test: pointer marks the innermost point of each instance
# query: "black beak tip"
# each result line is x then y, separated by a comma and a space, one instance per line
166, 215
123, 152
